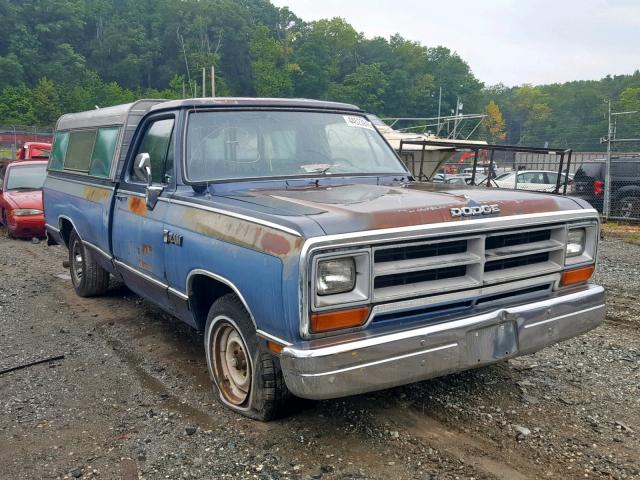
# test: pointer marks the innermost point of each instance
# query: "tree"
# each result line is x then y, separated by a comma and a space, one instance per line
494, 123
272, 72
46, 102
365, 87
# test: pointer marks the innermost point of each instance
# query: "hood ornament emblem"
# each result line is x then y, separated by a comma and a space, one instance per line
474, 211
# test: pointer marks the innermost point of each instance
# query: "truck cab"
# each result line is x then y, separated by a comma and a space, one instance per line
34, 151
292, 235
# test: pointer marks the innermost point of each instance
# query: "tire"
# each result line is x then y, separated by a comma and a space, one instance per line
5, 223
629, 207
88, 278
256, 388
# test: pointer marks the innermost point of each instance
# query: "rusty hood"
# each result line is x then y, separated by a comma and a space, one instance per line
357, 207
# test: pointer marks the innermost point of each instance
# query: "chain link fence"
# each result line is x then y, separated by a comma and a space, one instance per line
583, 173
12, 137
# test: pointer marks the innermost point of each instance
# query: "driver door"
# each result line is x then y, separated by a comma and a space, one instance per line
137, 231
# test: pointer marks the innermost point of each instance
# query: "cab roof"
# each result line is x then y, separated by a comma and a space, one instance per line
222, 102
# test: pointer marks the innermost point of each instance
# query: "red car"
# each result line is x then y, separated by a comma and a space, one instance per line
21, 209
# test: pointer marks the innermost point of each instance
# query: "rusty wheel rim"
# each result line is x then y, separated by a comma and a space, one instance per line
231, 364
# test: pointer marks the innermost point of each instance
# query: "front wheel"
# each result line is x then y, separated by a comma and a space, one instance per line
246, 374
88, 278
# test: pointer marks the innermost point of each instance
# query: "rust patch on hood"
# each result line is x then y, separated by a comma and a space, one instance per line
358, 207
96, 194
137, 205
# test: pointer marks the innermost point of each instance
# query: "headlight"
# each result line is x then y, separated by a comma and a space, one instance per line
337, 275
21, 212
576, 240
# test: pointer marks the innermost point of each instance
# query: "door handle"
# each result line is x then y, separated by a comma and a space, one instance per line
121, 197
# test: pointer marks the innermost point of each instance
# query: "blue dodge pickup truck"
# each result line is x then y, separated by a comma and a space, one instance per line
292, 235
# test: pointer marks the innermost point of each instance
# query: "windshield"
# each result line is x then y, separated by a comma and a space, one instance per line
258, 144
27, 177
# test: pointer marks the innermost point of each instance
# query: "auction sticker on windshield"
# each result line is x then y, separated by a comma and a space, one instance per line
359, 122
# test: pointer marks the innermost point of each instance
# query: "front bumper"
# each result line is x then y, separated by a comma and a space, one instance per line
27, 226
363, 362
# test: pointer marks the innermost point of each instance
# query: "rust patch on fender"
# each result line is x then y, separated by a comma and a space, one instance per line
137, 205
275, 243
96, 194
236, 231
146, 249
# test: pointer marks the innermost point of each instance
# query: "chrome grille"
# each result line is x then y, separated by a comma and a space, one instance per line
440, 266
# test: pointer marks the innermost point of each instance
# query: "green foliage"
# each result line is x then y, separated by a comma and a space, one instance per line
60, 56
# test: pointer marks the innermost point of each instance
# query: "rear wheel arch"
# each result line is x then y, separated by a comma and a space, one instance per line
66, 227
204, 288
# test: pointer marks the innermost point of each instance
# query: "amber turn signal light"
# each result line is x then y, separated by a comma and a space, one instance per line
274, 347
579, 275
324, 322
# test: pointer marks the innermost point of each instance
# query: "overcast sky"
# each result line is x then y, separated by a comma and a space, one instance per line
508, 41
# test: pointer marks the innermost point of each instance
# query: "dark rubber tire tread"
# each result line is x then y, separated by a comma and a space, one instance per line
95, 279
270, 396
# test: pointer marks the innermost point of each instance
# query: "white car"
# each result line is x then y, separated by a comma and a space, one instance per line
537, 180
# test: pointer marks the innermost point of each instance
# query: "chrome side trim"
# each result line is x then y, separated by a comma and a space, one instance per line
273, 338
108, 256
461, 227
51, 227
227, 213
178, 294
227, 282
129, 192
140, 274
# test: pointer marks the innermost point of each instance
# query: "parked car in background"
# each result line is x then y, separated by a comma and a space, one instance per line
21, 209
465, 179
34, 151
536, 180
625, 180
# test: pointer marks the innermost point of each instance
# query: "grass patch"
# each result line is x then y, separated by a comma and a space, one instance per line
629, 232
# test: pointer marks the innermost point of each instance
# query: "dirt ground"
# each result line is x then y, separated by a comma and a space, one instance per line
132, 399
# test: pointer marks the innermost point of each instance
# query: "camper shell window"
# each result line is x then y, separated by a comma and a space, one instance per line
89, 151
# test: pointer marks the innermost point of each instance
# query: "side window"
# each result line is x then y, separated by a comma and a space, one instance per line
79, 150
158, 143
103, 152
59, 150
531, 177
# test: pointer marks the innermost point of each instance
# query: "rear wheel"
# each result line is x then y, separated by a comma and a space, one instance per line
629, 207
88, 278
246, 374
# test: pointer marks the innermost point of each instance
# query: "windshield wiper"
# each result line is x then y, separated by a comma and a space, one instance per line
322, 168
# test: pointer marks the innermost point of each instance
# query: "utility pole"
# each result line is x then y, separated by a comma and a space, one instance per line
213, 81
607, 168
204, 82
439, 109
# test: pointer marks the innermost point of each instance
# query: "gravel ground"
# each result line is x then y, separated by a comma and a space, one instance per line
132, 398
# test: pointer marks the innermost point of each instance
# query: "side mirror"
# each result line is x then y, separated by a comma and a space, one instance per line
142, 168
